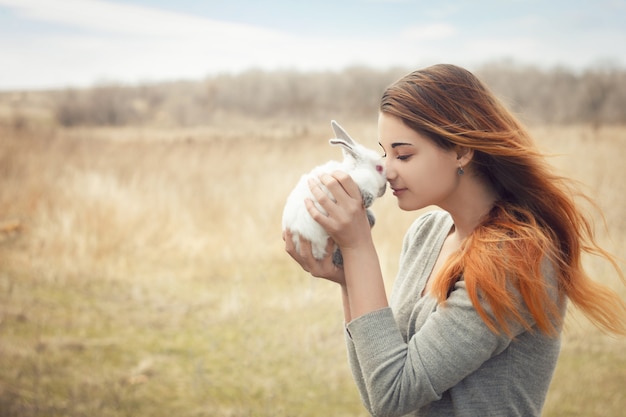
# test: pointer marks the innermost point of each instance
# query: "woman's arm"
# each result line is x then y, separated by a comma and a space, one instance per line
347, 224
324, 268
364, 282
398, 377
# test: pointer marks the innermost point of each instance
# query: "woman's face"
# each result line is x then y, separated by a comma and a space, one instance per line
419, 172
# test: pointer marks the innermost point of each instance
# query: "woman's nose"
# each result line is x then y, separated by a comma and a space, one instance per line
389, 171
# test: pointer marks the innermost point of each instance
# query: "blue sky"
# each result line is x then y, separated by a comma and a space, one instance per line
59, 43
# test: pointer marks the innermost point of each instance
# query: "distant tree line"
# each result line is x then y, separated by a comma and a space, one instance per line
556, 96
256, 94
595, 96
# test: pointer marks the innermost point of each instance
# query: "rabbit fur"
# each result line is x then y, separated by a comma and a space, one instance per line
366, 168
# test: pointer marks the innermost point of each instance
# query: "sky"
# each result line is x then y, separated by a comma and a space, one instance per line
76, 43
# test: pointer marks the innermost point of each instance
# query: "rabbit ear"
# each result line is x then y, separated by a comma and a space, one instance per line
341, 134
344, 140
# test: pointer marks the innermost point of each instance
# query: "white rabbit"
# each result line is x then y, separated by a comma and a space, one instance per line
366, 168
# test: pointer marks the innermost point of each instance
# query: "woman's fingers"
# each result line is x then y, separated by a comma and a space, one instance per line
340, 181
319, 268
338, 208
299, 251
334, 193
324, 198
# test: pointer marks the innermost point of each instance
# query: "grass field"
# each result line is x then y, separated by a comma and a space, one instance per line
142, 273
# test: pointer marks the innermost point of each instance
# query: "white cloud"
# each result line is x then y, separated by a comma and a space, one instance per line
429, 32
91, 40
133, 44
125, 19
130, 43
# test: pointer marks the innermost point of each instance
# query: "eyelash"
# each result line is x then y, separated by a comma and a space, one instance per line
399, 157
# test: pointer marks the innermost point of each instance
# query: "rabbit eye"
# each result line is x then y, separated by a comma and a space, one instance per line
379, 169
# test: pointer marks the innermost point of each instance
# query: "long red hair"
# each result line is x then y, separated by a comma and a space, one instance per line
536, 218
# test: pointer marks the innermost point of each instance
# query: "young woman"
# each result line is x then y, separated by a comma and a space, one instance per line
472, 327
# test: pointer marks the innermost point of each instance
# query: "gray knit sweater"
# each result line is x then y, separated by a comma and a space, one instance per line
420, 358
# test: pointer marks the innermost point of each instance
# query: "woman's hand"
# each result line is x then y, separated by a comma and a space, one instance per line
345, 219
324, 268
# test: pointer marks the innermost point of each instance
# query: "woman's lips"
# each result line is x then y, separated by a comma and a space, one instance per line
398, 191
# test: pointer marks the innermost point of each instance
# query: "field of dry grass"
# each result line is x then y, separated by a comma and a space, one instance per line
142, 272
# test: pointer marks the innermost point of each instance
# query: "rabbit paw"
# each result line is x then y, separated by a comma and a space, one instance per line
337, 257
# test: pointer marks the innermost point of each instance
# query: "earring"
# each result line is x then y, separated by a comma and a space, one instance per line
460, 171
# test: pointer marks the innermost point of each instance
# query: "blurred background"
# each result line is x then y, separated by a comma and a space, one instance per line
146, 151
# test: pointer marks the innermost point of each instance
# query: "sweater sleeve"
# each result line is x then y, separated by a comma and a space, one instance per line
357, 374
396, 377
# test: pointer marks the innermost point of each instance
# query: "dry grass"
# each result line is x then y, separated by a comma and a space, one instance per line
142, 273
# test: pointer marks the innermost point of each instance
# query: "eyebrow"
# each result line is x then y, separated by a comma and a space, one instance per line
396, 144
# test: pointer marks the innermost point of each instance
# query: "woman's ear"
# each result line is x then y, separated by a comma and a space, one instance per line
464, 155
